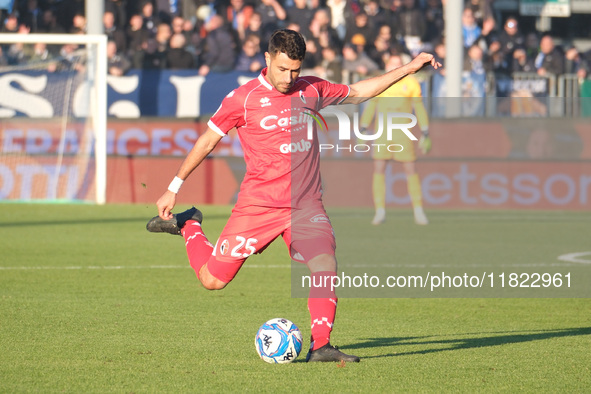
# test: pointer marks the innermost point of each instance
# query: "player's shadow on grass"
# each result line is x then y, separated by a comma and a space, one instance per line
74, 221
443, 345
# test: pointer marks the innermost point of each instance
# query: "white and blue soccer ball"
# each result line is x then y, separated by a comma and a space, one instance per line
278, 341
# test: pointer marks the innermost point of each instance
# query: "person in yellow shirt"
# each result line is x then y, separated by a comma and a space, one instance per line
402, 97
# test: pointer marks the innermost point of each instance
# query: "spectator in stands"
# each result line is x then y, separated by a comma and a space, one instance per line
376, 14
117, 63
499, 62
69, 58
325, 38
294, 26
380, 46
178, 24
255, 27
488, 34
301, 14
177, 57
439, 49
434, 20
66, 10
313, 54
331, 66
49, 23
119, 9
359, 42
340, 16
17, 52
575, 63
476, 61
40, 53
219, 54
360, 26
166, 10
393, 6
238, 15
156, 49
41, 58
32, 16
194, 39
78, 24
163, 35
189, 10
470, 29
114, 33
320, 25
510, 37
10, 24
532, 43
521, 61
358, 62
411, 26
137, 37
482, 11
550, 59
187, 29
251, 59
273, 16
150, 21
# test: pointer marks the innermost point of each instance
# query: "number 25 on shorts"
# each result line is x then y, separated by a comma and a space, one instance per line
244, 247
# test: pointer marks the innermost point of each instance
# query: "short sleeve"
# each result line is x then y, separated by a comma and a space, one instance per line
330, 93
230, 114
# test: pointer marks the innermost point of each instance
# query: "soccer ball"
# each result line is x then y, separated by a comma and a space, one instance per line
278, 341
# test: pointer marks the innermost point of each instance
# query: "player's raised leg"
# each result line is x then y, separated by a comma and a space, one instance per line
199, 249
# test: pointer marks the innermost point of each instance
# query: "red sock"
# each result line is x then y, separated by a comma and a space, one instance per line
199, 249
322, 304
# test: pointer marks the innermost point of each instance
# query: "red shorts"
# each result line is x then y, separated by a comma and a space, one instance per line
306, 232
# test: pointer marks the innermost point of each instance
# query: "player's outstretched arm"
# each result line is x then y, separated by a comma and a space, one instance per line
371, 87
203, 146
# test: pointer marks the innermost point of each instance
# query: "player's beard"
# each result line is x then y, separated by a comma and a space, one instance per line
284, 87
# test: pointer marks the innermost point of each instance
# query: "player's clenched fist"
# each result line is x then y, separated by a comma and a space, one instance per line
165, 205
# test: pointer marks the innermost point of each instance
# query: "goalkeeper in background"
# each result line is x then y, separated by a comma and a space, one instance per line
402, 97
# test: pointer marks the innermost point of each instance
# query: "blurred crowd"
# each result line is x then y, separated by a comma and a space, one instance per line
357, 36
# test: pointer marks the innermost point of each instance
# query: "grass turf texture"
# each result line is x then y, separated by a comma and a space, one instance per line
91, 302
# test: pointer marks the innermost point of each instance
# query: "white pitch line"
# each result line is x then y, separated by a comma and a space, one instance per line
121, 267
344, 267
575, 257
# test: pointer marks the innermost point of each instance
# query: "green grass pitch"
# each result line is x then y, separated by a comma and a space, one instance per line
91, 302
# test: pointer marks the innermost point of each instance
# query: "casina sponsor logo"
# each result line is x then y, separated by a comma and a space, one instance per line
302, 146
287, 123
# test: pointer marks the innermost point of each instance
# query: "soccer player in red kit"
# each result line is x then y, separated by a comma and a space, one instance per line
281, 191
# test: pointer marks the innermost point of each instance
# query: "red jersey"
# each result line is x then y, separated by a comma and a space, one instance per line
282, 165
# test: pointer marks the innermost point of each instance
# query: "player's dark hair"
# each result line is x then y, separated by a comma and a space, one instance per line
289, 42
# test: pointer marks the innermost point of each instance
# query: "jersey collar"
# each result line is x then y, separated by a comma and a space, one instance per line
263, 80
